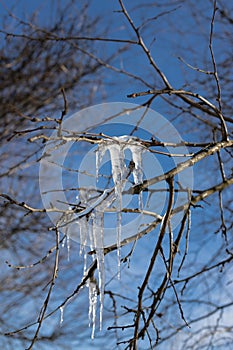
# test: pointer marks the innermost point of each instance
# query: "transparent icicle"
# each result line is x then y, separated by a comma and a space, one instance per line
83, 232
63, 242
119, 221
92, 306
68, 245
118, 170
90, 232
80, 236
84, 261
102, 148
118, 165
62, 315
136, 151
67, 242
98, 235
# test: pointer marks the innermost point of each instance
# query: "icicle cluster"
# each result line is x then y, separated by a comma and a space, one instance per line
116, 147
93, 229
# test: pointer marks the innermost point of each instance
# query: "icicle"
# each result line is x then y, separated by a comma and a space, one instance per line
90, 231
102, 148
92, 306
63, 242
101, 274
62, 315
80, 236
97, 162
98, 234
68, 245
119, 221
118, 167
118, 172
84, 262
83, 231
136, 151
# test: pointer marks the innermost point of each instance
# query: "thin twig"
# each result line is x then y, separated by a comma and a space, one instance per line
46, 302
144, 47
223, 123
41, 261
63, 113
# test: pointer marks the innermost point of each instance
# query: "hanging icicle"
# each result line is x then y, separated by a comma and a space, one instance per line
62, 315
92, 306
98, 236
83, 232
136, 151
116, 150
